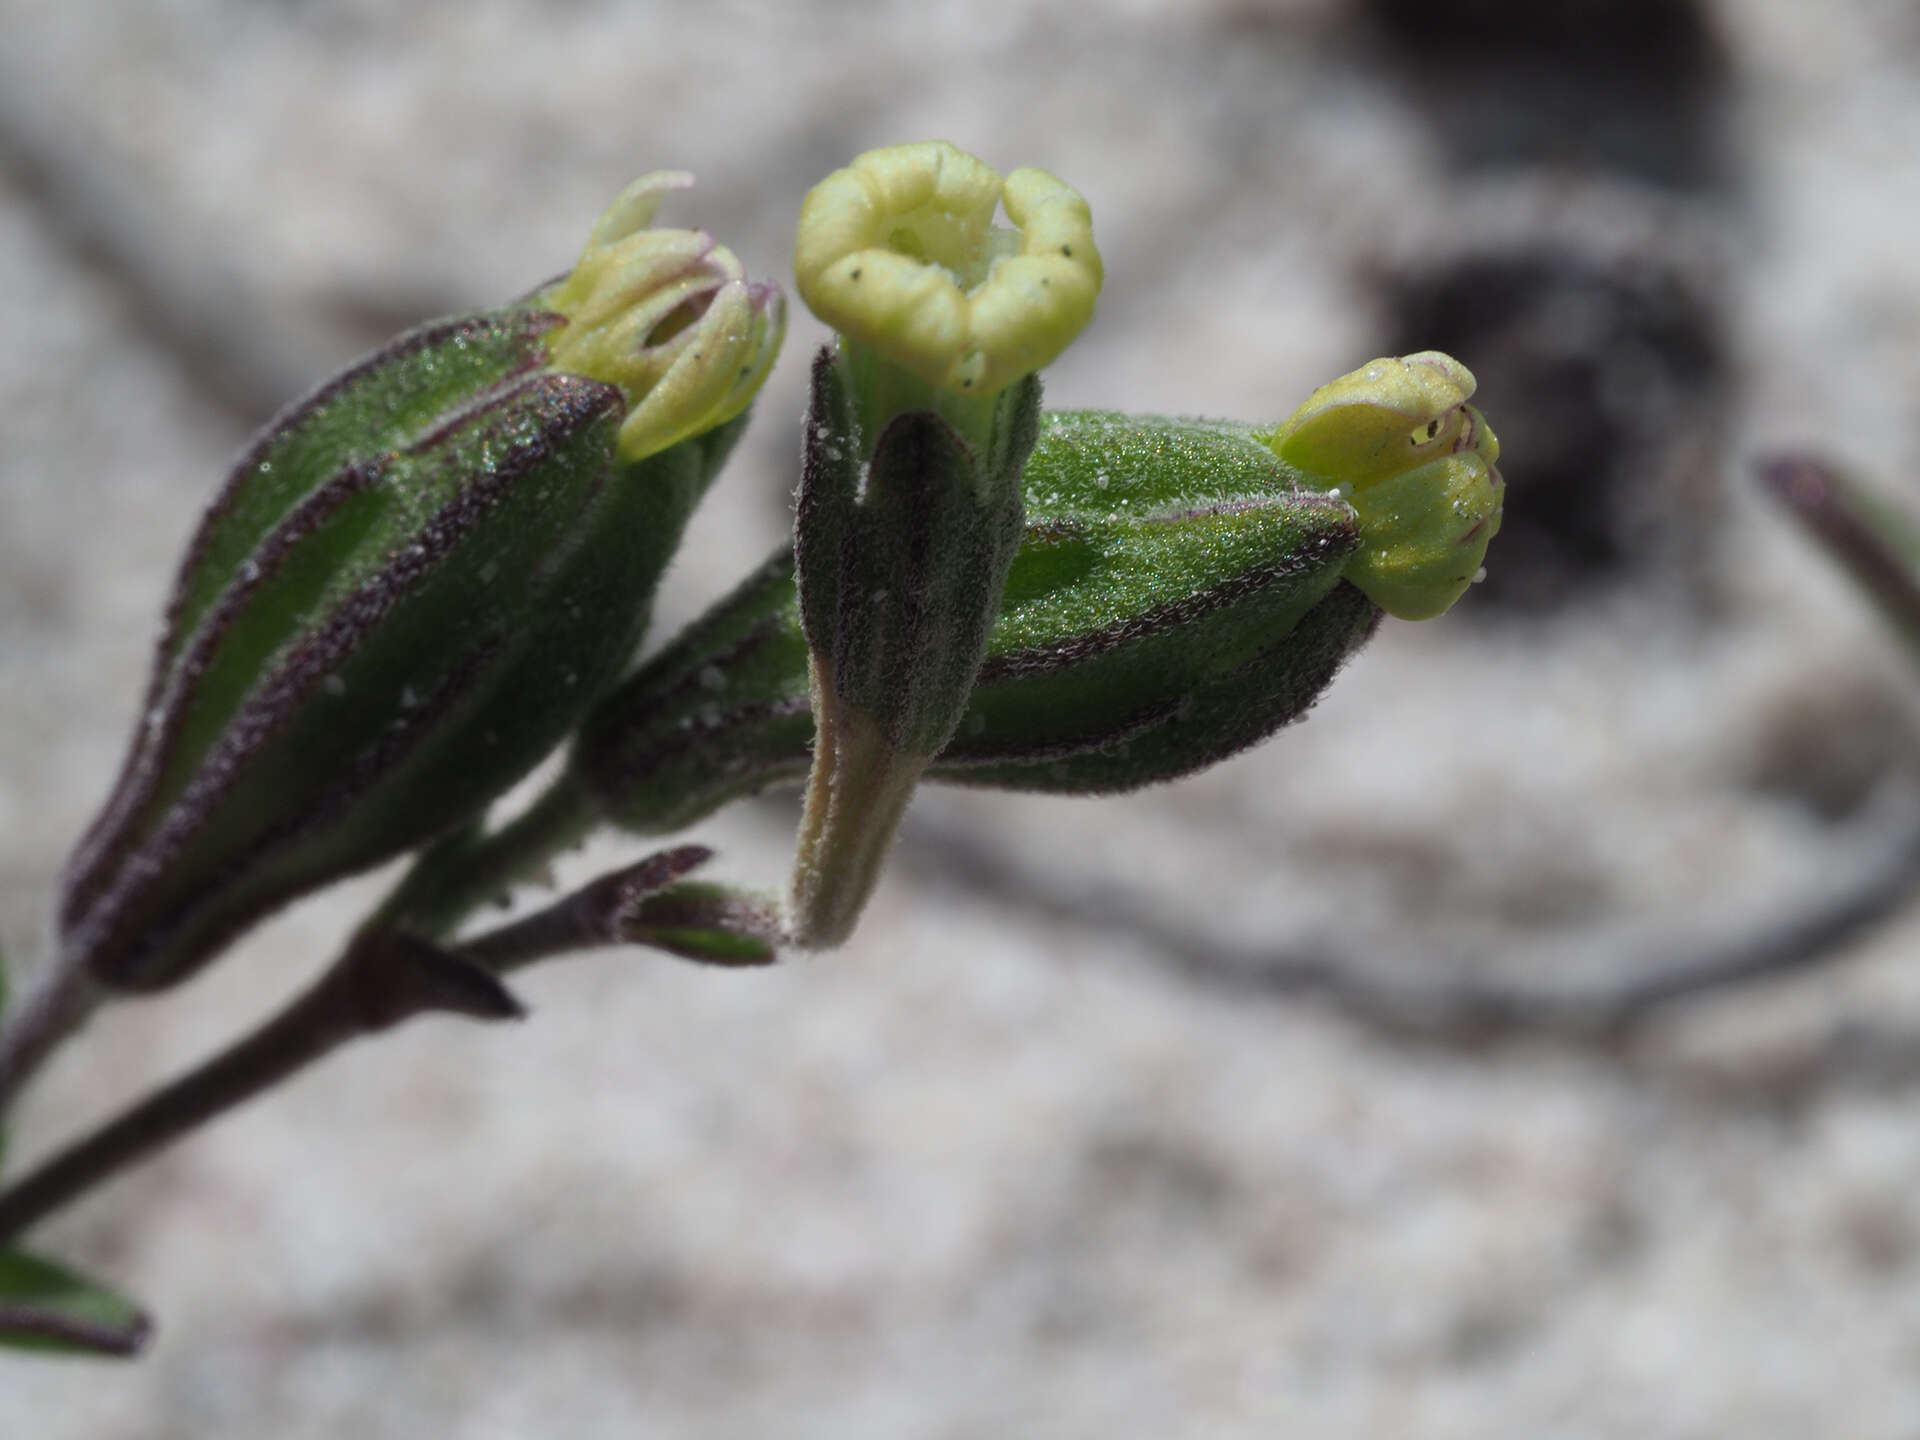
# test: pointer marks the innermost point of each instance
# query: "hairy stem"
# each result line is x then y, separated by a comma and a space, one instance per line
380, 980
856, 795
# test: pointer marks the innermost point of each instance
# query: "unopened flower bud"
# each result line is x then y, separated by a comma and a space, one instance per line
410, 588
1398, 441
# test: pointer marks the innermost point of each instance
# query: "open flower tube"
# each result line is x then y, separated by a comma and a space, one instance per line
921, 419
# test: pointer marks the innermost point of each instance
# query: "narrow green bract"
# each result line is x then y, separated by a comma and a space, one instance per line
48, 1306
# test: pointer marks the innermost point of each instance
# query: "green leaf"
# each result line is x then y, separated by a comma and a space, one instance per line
44, 1306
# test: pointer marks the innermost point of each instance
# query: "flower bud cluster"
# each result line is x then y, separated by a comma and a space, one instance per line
425, 576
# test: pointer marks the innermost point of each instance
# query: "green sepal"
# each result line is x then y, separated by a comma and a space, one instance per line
1215, 719
902, 560
383, 404
425, 621
297, 526
1160, 555
48, 1307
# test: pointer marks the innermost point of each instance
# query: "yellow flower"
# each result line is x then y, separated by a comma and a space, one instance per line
1398, 441
667, 315
899, 251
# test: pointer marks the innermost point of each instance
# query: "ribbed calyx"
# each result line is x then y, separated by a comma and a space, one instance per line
412, 585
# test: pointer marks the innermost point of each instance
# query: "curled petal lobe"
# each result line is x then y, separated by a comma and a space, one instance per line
929, 202
1382, 419
634, 209
899, 251
670, 317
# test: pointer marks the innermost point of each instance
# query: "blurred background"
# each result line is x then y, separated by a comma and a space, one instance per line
1265, 1103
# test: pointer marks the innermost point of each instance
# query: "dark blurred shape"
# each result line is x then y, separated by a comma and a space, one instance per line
1606, 380
1624, 86
1669, 38
1875, 541
1831, 745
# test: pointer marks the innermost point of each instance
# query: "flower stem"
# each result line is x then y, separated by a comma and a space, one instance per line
856, 796
383, 977
380, 980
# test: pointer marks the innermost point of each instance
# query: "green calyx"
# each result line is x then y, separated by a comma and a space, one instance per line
409, 590
902, 557
1162, 560
1397, 440
902, 540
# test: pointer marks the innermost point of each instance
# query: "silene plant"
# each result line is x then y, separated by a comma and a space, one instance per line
435, 570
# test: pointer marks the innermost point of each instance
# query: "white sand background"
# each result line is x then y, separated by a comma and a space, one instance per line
1001, 1168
